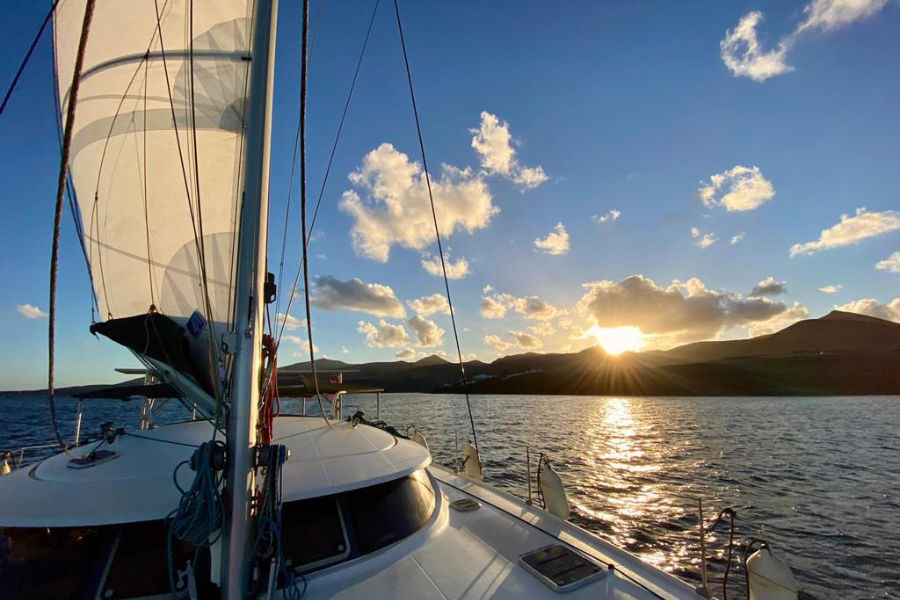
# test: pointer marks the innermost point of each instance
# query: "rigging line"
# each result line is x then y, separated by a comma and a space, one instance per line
304, 68
211, 334
146, 208
287, 208
437, 232
334, 146
57, 218
70, 193
34, 43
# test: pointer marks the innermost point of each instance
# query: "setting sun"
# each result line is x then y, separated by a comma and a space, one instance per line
616, 340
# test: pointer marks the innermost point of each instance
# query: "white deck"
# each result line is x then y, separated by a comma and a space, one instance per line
138, 486
475, 555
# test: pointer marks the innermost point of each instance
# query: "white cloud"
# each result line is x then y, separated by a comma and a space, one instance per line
797, 312
869, 306
830, 289
612, 215
397, 208
493, 143
556, 242
738, 238
290, 322
355, 294
851, 230
384, 335
829, 15
891, 263
745, 188
513, 340
495, 306
703, 240
680, 312
769, 287
744, 55
301, 343
542, 329
429, 305
30, 312
455, 270
406, 354
345, 350
427, 332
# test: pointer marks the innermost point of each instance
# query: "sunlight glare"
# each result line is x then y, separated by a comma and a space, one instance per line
616, 340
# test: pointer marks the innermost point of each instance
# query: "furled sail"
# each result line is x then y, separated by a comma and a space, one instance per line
156, 157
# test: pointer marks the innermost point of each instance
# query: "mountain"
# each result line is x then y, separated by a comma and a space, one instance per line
838, 354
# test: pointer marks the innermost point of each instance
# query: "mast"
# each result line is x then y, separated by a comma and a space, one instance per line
245, 340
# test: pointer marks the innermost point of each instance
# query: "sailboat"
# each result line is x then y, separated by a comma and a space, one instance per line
166, 113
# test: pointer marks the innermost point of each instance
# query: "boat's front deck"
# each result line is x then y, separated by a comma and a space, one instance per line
476, 555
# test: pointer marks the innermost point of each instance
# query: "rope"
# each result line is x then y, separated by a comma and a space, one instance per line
34, 43
200, 514
57, 219
303, 76
437, 233
334, 146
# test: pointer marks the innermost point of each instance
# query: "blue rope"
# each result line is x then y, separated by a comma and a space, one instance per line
200, 514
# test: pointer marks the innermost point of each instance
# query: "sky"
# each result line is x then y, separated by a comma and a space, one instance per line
638, 175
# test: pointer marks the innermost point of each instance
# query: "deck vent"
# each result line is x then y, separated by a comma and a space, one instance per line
561, 568
465, 505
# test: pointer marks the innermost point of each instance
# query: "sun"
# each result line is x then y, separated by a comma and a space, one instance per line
616, 340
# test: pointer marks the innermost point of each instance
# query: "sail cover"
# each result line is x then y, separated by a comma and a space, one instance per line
156, 158
156, 149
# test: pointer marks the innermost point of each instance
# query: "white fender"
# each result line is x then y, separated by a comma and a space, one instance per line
418, 438
769, 578
5, 469
472, 466
552, 490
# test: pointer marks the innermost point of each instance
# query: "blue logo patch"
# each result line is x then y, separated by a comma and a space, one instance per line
196, 324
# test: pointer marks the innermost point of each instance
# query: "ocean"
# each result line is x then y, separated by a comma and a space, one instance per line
818, 478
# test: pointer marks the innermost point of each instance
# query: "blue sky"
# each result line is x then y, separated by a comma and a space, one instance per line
761, 121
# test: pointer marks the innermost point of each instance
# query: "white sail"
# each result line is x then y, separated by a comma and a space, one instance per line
145, 189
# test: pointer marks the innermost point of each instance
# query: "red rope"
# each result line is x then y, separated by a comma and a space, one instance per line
270, 402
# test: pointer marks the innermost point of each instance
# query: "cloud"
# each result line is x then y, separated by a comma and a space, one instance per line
345, 350
797, 312
830, 289
455, 270
429, 305
355, 294
703, 241
406, 354
680, 312
496, 305
384, 335
829, 15
610, 216
744, 55
745, 188
891, 263
493, 143
851, 230
738, 238
543, 329
427, 332
874, 308
290, 322
397, 210
769, 287
30, 312
513, 340
301, 343
556, 242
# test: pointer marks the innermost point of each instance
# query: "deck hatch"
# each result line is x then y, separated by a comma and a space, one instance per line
561, 568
